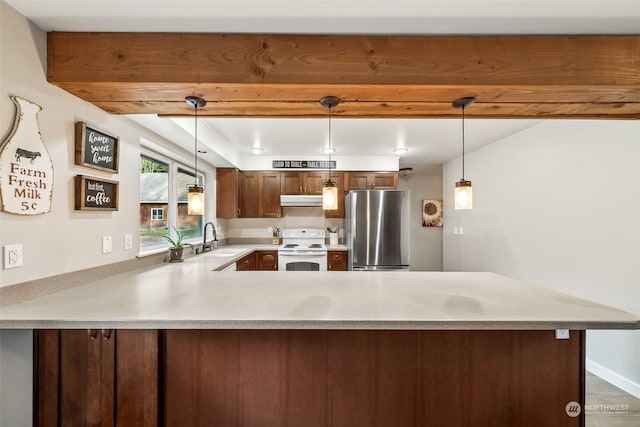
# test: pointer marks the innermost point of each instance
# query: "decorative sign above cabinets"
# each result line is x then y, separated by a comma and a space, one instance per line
95, 194
26, 171
303, 164
96, 149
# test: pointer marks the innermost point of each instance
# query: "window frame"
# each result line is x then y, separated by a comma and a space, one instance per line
172, 203
155, 216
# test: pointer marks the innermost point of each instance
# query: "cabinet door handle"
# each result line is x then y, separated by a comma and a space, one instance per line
238, 211
93, 333
106, 334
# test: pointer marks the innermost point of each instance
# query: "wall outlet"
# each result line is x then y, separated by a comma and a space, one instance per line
128, 241
12, 256
107, 246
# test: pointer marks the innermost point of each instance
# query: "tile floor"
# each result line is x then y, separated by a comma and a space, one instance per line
608, 406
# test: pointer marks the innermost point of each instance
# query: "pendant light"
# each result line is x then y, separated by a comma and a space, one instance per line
195, 195
329, 187
463, 192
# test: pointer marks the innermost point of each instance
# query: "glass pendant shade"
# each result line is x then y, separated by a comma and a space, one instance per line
330, 196
463, 195
329, 187
195, 195
195, 200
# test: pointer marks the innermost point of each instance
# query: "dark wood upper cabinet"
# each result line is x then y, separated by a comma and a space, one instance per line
227, 193
302, 182
269, 195
248, 194
291, 183
371, 180
253, 194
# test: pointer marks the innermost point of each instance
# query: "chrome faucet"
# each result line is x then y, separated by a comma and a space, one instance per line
207, 246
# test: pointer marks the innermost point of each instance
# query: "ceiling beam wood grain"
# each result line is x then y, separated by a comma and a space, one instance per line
246, 75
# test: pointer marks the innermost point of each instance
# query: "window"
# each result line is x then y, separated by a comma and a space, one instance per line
157, 214
191, 225
154, 197
163, 202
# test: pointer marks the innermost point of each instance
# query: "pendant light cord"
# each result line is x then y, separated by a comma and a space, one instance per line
463, 142
330, 143
196, 143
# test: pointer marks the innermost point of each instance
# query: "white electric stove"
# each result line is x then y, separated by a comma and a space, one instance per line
302, 249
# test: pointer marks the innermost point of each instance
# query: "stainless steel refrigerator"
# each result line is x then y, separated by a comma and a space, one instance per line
376, 229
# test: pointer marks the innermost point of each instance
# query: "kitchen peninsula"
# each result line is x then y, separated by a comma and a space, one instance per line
181, 345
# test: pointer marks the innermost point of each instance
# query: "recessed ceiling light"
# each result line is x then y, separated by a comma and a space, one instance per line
256, 150
400, 150
328, 150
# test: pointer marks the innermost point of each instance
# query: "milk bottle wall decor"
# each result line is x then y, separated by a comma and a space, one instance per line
26, 171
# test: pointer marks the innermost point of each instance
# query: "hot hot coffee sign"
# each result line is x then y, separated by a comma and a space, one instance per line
26, 171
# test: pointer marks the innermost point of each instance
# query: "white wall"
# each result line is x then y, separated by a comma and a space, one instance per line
558, 204
64, 240
426, 242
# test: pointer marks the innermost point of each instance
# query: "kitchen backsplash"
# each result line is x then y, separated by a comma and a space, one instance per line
258, 228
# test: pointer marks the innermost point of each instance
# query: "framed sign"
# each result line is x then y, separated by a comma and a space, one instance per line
95, 194
303, 164
96, 149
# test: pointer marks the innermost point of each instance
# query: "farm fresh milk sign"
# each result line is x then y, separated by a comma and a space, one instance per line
26, 171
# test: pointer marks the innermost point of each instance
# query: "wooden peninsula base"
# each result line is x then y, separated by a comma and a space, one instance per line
308, 377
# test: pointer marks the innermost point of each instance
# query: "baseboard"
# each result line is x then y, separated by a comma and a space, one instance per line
614, 378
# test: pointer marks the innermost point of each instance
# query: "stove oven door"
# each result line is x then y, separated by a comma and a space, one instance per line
302, 261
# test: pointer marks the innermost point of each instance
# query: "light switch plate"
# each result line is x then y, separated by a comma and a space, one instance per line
107, 246
12, 256
128, 241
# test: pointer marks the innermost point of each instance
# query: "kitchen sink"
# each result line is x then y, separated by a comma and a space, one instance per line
227, 252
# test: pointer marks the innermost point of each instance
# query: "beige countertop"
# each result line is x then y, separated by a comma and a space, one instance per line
189, 295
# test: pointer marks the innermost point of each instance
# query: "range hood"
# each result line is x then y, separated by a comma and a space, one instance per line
300, 200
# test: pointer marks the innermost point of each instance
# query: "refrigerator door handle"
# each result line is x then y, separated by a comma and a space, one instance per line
352, 243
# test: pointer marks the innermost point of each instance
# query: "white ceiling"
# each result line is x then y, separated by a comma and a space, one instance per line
430, 142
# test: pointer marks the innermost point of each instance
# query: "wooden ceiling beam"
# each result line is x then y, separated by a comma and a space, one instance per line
355, 109
376, 76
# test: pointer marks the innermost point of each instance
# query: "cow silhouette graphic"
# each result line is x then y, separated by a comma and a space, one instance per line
26, 153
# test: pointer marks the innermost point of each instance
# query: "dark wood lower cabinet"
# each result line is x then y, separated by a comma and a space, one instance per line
247, 263
336, 261
307, 378
96, 377
267, 260
371, 378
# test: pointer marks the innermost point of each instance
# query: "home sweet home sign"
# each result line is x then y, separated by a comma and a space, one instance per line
26, 170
